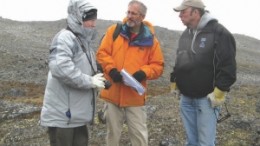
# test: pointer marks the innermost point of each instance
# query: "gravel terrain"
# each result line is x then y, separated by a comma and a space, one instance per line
23, 71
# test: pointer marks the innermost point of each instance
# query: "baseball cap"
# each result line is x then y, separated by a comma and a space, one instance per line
189, 3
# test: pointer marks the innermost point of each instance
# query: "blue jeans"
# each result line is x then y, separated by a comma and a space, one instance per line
199, 120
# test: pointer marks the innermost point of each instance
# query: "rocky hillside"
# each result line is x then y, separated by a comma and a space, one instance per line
23, 52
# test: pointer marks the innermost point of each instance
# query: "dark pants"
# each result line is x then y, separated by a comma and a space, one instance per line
77, 136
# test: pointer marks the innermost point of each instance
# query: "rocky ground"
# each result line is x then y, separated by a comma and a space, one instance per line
24, 48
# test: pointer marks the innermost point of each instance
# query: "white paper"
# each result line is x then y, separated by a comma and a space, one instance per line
132, 82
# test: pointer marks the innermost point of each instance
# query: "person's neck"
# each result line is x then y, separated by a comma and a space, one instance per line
135, 29
132, 30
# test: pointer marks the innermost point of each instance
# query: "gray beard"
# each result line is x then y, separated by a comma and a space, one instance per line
132, 24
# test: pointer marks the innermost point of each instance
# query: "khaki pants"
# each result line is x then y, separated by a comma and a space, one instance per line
77, 136
135, 118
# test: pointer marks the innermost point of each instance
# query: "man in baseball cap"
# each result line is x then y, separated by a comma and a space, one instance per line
190, 3
204, 71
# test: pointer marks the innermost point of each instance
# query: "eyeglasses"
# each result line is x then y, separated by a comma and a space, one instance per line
132, 13
224, 117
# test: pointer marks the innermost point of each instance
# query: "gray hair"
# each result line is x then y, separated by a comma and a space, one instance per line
143, 8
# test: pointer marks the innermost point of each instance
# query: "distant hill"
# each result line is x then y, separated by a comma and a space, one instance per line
27, 41
30, 41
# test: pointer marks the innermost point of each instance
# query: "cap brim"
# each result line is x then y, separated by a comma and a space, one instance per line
180, 8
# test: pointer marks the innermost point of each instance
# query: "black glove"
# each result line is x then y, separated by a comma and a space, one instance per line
115, 75
139, 75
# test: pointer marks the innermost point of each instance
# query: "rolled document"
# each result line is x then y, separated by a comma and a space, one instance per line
129, 80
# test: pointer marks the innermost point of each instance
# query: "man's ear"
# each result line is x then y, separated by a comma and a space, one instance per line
196, 11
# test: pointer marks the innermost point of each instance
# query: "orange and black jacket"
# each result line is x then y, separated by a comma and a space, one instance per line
142, 53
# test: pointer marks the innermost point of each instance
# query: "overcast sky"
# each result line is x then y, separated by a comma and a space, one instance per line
239, 16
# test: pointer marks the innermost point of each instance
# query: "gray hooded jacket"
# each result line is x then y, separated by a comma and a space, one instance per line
69, 99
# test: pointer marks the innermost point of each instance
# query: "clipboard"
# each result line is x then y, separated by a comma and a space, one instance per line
130, 81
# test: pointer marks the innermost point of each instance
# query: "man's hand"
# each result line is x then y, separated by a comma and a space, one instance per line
139, 76
173, 86
174, 89
98, 81
217, 97
115, 75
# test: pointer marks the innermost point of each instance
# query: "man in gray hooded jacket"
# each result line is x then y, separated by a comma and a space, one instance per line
204, 71
70, 94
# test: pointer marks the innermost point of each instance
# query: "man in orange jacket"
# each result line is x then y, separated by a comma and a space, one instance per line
138, 51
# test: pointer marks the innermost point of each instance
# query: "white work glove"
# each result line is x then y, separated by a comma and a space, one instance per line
217, 97
98, 81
